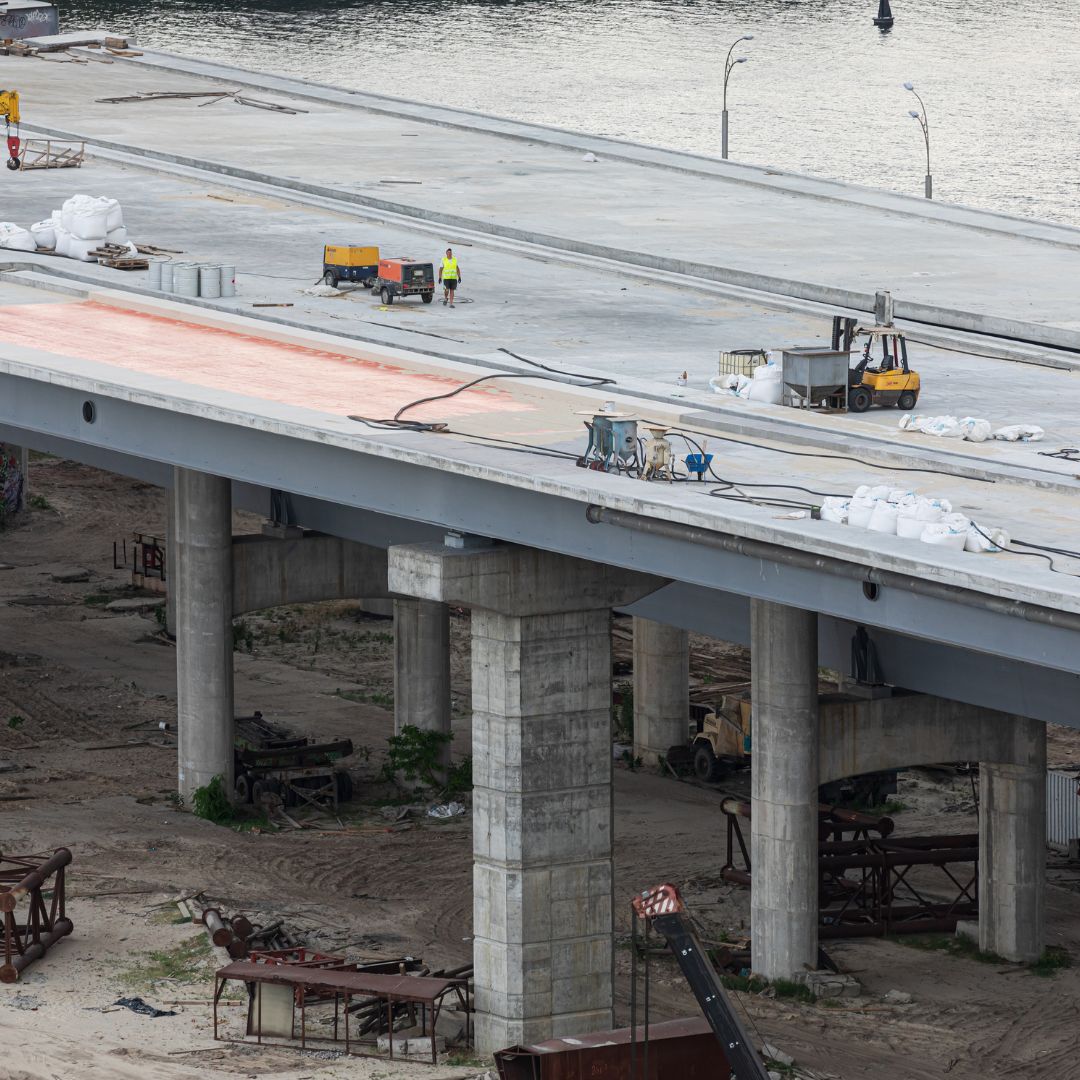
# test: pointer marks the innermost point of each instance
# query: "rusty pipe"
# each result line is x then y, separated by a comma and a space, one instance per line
242, 927
220, 932
9, 972
34, 879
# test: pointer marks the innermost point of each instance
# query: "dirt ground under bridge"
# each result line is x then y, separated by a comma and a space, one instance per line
84, 764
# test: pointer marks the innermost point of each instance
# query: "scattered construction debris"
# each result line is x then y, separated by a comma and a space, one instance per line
41, 925
214, 97
277, 988
48, 154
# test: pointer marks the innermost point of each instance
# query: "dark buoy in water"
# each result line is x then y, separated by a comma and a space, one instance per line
884, 15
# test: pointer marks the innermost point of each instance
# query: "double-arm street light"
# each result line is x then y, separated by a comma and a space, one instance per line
928, 187
729, 65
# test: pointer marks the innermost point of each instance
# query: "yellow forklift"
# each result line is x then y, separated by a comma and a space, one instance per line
882, 376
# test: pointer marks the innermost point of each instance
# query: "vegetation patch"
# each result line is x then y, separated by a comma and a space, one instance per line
188, 962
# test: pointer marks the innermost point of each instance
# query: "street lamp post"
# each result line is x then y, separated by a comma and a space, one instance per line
729, 65
928, 185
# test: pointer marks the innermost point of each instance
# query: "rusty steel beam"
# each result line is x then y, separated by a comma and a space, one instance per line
26, 878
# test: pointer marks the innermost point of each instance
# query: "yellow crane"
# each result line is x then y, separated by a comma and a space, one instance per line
9, 110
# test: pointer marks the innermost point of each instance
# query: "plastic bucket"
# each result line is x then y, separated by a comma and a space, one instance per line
153, 275
167, 274
228, 281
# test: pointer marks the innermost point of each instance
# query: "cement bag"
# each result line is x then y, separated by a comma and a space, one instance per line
78, 248
114, 214
63, 240
883, 518
90, 219
1020, 433
766, 389
899, 496
724, 384
913, 517
872, 491
975, 430
834, 508
985, 539
15, 238
119, 235
44, 234
860, 511
942, 534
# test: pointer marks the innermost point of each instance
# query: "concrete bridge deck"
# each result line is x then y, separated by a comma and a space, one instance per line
675, 212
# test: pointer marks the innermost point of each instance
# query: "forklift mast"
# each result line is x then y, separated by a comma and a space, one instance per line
663, 907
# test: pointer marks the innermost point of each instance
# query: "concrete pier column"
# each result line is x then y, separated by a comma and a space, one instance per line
542, 797
170, 562
1012, 853
422, 666
661, 688
204, 649
784, 895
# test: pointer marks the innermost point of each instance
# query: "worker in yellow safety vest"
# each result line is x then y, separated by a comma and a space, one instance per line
449, 276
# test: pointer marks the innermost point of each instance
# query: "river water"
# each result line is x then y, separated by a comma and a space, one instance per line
821, 91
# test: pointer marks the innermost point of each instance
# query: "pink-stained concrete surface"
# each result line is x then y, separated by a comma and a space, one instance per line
241, 363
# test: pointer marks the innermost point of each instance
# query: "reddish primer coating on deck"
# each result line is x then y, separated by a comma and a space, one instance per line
241, 363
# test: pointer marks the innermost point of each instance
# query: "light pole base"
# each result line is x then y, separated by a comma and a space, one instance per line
928, 187
723, 134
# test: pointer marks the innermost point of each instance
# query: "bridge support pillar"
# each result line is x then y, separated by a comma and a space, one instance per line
661, 688
170, 563
1012, 852
202, 578
542, 800
422, 667
784, 835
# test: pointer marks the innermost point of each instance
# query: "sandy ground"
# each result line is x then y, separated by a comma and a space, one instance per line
82, 678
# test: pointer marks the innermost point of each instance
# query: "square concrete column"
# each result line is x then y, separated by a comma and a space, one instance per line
542, 797
202, 577
422, 666
661, 689
784, 823
1012, 853
170, 563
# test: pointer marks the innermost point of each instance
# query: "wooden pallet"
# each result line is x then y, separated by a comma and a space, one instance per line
46, 154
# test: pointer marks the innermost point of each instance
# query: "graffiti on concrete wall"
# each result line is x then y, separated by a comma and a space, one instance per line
29, 22
11, 483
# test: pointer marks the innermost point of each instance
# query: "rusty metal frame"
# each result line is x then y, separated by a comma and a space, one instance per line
864, 883
326, 983
45, 923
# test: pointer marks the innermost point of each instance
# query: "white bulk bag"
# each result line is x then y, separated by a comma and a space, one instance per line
44, 233
835, 508
15, 238
1020, 433
942, 534
118, 235
78, 248
860, 510
975, 430
883, 518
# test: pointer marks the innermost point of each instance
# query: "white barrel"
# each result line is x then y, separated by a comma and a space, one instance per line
228, 281
210, 282
153, 275
186, 279
167, 277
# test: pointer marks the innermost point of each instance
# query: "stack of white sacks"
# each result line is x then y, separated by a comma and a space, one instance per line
903, 513
81, 225
969, 428
765, 384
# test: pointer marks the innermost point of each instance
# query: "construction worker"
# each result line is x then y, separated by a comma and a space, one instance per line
449, 276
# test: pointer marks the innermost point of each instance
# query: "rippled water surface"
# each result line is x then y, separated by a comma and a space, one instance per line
821, 91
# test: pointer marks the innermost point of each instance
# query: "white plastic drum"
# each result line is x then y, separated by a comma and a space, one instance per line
186, 279
210, 282
228, 281
153, 275
167, 276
